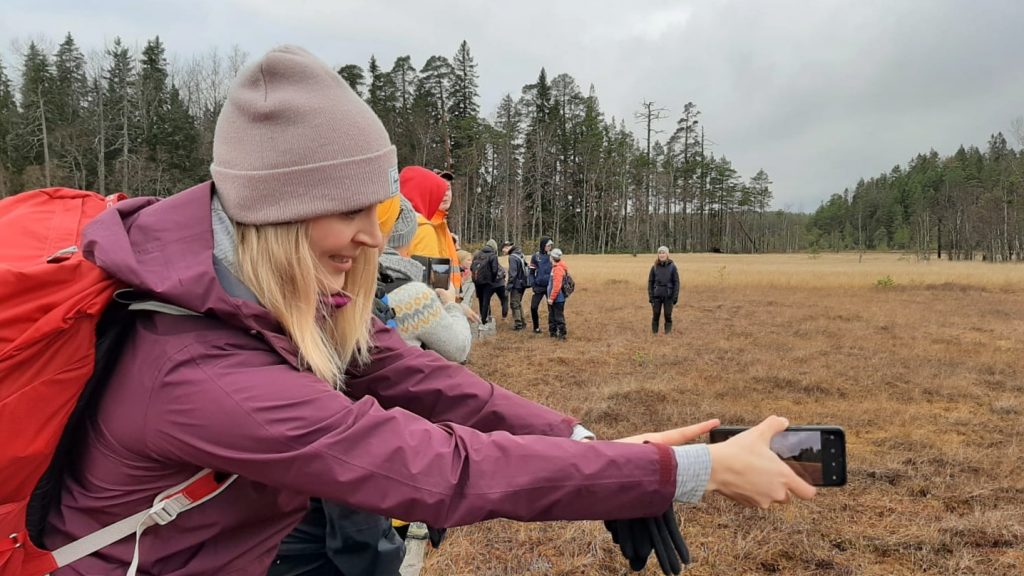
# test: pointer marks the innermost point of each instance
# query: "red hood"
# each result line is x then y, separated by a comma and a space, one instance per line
424, 190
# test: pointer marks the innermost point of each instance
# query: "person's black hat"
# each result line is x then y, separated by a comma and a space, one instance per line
445, 174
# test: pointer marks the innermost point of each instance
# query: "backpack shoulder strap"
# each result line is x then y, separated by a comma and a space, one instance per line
166, 507
168, 504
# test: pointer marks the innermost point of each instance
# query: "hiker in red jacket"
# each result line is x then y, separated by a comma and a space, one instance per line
266, 363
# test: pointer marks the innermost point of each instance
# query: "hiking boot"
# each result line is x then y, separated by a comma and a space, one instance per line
668, 328
561, 337
517, 328
418, 531
654, 328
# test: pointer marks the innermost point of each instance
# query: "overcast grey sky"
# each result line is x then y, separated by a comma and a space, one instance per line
818, 93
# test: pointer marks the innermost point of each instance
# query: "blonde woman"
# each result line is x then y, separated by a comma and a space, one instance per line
272, 368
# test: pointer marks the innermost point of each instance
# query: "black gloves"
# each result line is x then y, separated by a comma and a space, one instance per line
637, 537
436, 536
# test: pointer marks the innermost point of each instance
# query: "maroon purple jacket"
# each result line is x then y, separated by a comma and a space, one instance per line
413, 436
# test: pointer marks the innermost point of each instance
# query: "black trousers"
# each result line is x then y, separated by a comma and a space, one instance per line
657, 305
335, 540
538, 297
502, 293
556, 319
483, 298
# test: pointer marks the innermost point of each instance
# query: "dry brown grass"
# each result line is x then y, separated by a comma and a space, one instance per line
927, 377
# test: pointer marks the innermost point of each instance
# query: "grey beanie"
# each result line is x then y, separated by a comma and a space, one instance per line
294, 142
662, 249
556, 254
405, 226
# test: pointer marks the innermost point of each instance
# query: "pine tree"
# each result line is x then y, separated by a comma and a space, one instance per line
353, 74
152, 98
121, 113
433, 97
36, 103
8, 126
405, 78
70, 86
466, 142
381, 95
70, 94
180, 143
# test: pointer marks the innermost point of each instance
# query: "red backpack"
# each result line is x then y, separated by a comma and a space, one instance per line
50, 327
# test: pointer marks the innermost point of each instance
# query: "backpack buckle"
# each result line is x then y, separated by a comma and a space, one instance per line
166, 511
62, 255
17, 540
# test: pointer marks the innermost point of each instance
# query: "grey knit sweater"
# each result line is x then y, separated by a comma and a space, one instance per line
419, 314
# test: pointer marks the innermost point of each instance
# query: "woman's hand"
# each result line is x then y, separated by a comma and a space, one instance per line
676, 436
447, 296
471, 315
744, 469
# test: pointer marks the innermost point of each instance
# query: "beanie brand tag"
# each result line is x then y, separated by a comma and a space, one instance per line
393, 176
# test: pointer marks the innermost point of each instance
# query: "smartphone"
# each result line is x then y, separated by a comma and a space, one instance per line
437, 272
816, 453
440, 275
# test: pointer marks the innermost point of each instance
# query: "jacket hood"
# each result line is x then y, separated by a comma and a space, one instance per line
424, 190
164, 249
492, 244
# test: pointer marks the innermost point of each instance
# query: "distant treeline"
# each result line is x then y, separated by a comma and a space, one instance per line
547, 161
966, 206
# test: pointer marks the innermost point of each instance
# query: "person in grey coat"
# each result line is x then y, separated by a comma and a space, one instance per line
518, 282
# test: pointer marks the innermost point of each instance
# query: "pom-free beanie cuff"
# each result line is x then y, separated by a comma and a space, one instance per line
303, 192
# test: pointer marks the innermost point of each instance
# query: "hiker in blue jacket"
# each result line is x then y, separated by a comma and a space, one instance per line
539, 275
662, 289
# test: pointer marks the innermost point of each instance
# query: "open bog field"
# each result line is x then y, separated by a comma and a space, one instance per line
925, 374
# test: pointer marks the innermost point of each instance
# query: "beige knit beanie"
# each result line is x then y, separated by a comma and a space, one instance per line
294, 142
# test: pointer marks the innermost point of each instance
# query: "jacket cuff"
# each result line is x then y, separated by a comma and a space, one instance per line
580, 432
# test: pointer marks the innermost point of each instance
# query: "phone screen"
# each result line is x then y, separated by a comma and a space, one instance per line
816, 453
802, 452
437, 272
440, 275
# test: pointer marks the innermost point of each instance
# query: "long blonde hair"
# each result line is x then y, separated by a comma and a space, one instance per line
277, 263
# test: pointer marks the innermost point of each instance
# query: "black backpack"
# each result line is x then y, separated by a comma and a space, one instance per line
481, 269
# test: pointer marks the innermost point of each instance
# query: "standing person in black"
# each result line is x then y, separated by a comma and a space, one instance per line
517, 282
539, 275
663, 289
486, 275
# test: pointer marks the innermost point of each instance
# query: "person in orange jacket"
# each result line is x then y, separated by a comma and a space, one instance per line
557, 296
431, 195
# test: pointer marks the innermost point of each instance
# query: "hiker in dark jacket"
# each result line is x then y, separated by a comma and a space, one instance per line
663, 289
271, 367
539, 276
517, 282
486, 277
